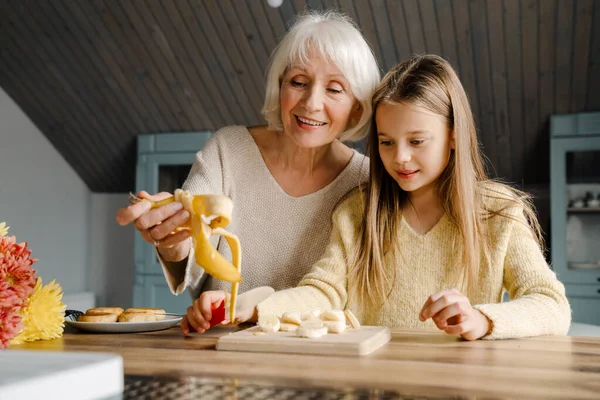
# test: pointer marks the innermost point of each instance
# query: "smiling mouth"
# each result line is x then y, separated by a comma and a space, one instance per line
310, 122
406, 173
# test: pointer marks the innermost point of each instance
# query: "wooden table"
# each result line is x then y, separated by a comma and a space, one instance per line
429, 364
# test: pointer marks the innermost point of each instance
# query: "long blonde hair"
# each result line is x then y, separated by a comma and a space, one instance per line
430, 82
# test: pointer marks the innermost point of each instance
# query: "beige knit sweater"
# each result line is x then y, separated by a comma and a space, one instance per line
429, 263
281, 236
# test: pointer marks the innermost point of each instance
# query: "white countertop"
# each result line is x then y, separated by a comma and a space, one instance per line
60, 375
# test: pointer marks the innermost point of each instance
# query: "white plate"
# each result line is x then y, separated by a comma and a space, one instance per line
125, 327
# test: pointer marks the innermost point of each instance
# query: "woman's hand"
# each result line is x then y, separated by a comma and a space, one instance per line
157, 225
452, 312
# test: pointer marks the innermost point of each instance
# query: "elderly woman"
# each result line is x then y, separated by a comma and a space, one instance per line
285, 178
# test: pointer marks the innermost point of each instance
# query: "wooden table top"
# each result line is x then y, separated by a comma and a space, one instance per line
430, 364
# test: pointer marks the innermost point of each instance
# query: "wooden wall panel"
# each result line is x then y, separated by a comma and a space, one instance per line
430, 27
235, 75
367, 24
529, 43
150, 77
93, 75
547, 55
210, 92
498, 60
464, 40
486, 106
384, 34
153, 56
564, 55
246, 69
399, 29
514, 68
581, 51
593, 99
414, 25
232, 112
447, 32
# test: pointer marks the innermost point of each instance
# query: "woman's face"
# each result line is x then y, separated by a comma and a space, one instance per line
316, 103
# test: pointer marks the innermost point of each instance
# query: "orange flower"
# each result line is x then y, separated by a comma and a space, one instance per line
15, 268
10, 325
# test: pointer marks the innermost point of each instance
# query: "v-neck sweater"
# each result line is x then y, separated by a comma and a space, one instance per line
428, 263
281, 236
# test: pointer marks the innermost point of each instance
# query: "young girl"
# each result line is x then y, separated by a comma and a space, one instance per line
428, 221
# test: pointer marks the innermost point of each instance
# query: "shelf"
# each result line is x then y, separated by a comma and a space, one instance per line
585, 265
583, 210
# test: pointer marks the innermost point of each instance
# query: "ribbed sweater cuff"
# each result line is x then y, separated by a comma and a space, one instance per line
181, 275
500, 319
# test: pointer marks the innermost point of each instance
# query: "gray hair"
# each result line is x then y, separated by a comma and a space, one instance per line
334, 37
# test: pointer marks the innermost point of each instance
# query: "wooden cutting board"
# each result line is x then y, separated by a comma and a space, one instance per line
352, 342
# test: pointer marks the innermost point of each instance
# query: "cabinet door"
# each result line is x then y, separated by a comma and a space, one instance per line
153, 167
585, 302
155, 173
585, 310
152, 291
575, 214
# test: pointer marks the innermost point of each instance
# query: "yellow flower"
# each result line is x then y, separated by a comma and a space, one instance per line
3, 229
43, 316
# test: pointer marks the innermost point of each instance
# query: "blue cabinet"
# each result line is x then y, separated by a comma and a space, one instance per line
164, 161
575, 210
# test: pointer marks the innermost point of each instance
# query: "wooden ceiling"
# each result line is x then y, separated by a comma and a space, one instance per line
94, 74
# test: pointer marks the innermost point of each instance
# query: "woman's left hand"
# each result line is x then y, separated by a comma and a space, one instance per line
452, 312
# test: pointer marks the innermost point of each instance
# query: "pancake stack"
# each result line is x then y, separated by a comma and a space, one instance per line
117, 314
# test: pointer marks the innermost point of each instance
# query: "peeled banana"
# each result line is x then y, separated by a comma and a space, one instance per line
269, 323
287, 327
310, 315
209, 215
352, 320
311, 324
311, 333
335, 326
333, 315
291, 318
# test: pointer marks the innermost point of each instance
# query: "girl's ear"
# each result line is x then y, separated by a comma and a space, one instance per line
453, 140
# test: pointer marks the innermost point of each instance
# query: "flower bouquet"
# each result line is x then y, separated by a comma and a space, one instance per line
28, 310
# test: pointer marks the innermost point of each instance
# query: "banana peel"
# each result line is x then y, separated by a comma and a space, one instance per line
209, 215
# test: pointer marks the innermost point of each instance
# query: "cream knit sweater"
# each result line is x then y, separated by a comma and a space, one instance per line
281, 236
429, 263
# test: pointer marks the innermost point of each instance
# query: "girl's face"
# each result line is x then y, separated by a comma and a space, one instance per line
414, 145
316, 103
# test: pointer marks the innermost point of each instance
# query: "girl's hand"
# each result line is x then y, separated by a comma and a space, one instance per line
199, 314
209, 310
452, 312
156, 225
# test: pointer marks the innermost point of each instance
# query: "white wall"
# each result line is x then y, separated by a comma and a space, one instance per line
70, 230
43, 200
111, 252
